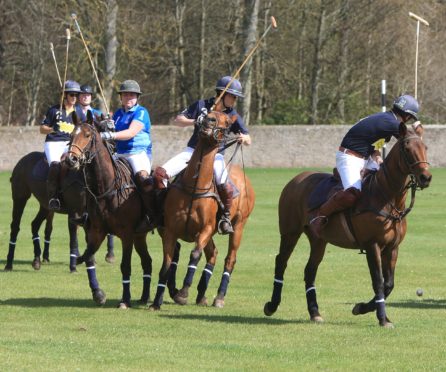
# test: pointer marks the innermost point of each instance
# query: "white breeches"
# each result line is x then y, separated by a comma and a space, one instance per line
139, 162
350, 167
179, 162
55, 150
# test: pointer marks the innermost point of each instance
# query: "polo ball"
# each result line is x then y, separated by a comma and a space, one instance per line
419, 292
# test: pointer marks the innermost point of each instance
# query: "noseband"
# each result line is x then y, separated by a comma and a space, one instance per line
86, 156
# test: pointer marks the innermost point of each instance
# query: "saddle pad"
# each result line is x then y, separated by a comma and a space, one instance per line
40, 170
322, 190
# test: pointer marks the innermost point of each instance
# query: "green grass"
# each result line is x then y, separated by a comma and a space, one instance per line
48, 320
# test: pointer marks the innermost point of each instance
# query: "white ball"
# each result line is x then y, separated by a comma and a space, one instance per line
419, 292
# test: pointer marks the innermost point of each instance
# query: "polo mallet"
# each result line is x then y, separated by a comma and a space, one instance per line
273, 24
68, 35
55, 63
423, 21
74, 17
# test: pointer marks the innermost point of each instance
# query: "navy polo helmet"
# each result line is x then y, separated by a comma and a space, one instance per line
71, 86
235, 88
408, 105
86, 89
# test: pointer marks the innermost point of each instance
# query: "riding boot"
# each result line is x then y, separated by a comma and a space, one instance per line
341, 200
53, 186
226, 193
160, 178
147, 192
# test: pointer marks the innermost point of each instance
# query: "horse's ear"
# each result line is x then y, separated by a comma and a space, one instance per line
418, 128
403, 129
90, 118
75, 118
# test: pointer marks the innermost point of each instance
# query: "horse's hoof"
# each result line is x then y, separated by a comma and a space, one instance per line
219, 303
173, 292
181, 297
73, 270
8, 267
386, 324
269, 309
46, 261
123, 305
154, 308
99, 296
357, 309
110, 258
36, 263
202, 302
317, 319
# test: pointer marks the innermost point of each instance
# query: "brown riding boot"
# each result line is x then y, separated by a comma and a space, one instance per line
159, 176
226, 193
53, 186
341, 200
147, 192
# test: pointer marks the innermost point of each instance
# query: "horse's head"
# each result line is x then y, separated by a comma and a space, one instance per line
414, 154
82, 141
215, 126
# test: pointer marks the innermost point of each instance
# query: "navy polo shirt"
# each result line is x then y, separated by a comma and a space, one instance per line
54, 118
364, 133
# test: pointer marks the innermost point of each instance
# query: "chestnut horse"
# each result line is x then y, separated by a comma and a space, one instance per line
114, 206
190, 214
376, 225
29, 178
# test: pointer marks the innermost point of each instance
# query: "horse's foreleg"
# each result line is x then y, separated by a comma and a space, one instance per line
94, 240
287, 244
74, 245
168, 252
17, 211
126, 271
171, 283
146, 264
42, 214
316, 255
375, 268
389, 258
210, 252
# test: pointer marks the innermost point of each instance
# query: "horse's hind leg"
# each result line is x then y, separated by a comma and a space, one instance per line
42, 214
316, 255
126, 271
171, 283
110, 255
146, 264
48, 232
18, 205
287, 244
211, 257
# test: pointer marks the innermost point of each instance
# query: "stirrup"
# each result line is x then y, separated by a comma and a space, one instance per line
54, 204
225, 229
317, 218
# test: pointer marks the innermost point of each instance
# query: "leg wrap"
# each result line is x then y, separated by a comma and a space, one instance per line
205, 276
146, 280
192, 267
380, 308
277, 290
310, 292
36, 243
92, 280
126, 289
224, 283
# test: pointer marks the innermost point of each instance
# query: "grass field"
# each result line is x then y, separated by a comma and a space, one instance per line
48, 320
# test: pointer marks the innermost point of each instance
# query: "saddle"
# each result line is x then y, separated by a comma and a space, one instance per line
40, 170
324, 190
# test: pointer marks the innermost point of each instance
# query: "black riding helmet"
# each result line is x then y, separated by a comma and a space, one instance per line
86, 89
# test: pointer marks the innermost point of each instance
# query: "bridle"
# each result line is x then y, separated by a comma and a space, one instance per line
86, 155
406, 159
218, 134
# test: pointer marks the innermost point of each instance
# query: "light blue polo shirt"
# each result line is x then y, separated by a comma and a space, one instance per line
142, 141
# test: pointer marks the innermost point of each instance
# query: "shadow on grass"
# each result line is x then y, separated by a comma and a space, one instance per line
57, 302
233, 319
427, 303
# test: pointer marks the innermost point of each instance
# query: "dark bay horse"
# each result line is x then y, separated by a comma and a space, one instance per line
377, 224
190, 214
114, 206
29, 178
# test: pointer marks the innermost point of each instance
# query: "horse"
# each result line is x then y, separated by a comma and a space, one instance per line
29, 177
376, 225
190, 214
114, 206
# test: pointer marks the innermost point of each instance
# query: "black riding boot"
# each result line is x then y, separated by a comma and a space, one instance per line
147, 192
226, 193
53, 186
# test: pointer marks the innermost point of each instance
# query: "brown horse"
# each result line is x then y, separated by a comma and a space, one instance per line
114, 206
29, 177
191, 208
377, 224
